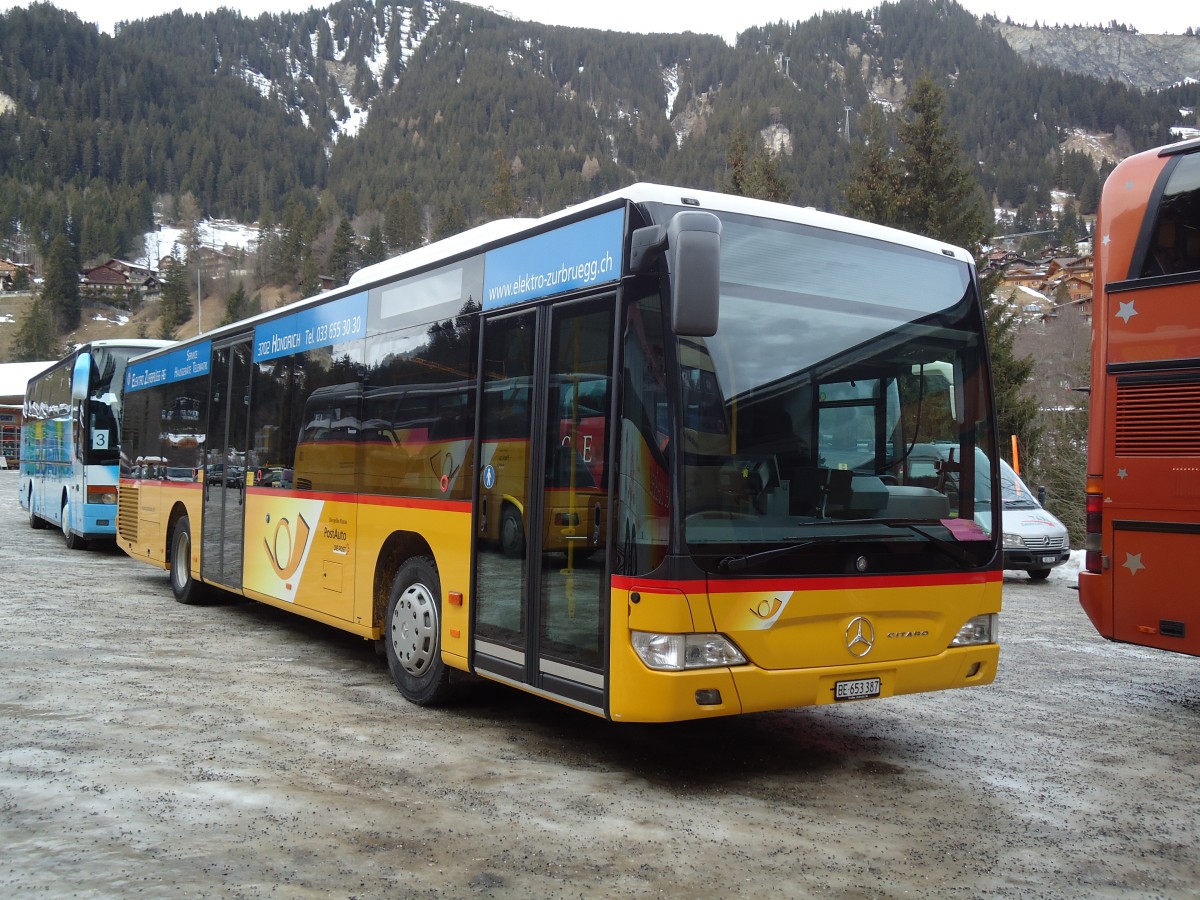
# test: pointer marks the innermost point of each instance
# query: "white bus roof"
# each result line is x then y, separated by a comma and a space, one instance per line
647, 193
474, 239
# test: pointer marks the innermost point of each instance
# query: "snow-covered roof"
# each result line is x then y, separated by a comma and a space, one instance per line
14, 376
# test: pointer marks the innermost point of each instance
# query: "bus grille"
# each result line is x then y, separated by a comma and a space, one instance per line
1158, 418
1046, 543
127, 512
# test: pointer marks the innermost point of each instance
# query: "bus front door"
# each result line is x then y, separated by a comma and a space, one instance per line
540, 605
225, 465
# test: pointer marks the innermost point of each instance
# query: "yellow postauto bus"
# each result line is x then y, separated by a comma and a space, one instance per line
646, 457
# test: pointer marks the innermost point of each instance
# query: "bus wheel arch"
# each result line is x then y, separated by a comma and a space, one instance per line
399, 547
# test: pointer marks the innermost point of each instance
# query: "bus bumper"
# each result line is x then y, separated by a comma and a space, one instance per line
648, 696
100, 519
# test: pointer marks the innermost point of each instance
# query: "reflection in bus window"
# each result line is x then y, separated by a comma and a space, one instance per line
642, 525
1175, 242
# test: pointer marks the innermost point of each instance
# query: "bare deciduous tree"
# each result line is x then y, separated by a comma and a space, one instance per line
1061, 348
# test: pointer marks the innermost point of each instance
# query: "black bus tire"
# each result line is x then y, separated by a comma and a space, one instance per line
185, 588
35, 521
512, 532
412, 634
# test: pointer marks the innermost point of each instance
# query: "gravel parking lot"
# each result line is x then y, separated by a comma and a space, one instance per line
234, 750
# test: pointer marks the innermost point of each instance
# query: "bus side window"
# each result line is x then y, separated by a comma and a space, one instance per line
1175, 241
1164, 257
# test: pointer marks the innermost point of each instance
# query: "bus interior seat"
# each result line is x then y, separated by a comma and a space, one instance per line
769, 432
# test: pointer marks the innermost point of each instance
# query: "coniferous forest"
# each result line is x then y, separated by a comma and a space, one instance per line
262, 119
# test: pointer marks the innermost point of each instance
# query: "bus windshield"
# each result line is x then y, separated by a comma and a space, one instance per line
836, 356
103, 410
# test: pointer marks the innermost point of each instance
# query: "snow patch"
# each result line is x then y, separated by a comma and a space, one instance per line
111, 320
257, 80
670, 79
215, 233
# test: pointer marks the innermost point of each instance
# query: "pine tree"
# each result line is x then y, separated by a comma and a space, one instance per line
450, 222
502, 202
376, 249
36, 339
176, 301
737, 163
753, 172
238, 307
60, 290
188, 212
343, 254
310, 276
940, 197
392, 224
873, 189
410, 232
402, 223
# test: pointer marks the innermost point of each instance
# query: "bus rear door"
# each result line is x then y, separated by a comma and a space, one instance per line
225, 465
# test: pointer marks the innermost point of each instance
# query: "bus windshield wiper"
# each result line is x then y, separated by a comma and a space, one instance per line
951, 550
738, 563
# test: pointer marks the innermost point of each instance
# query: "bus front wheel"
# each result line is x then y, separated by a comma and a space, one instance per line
73, 541
412, 634
183, 585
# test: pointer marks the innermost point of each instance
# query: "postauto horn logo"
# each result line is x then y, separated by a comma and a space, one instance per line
285, 556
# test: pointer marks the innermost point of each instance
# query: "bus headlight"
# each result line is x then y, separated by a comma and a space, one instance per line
102, 494
677, 652
979, 630
1013, 541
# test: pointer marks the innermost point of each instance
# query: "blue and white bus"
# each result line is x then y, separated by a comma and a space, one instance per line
70, 440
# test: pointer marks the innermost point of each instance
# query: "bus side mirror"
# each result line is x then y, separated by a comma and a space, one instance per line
691, 242
80, 375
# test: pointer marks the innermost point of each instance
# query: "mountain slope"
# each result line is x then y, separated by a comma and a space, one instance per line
1148, 62
359, 101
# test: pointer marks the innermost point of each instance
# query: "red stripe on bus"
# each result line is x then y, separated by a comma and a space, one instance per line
185, 485
803, 583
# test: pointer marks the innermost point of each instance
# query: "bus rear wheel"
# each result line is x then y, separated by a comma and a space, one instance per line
35, 521
183, 585
1038, 574
412, 634
72, 540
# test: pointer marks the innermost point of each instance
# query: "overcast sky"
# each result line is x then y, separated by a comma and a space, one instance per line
724, 19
